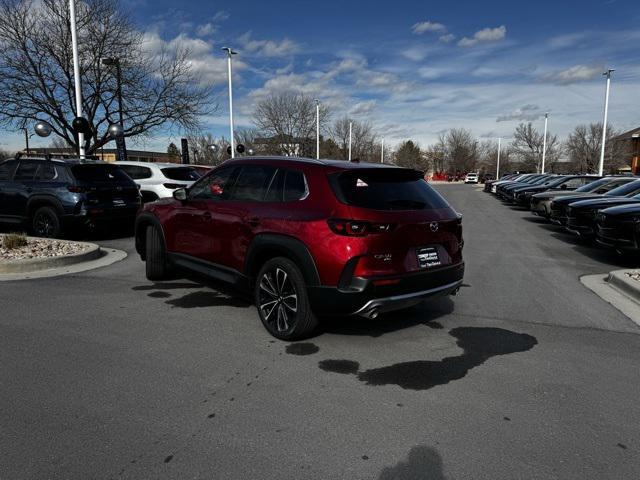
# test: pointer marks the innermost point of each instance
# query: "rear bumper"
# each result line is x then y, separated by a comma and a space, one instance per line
371, 299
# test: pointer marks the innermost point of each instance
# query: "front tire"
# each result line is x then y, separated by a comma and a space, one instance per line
46, 223
282, 300
156, 257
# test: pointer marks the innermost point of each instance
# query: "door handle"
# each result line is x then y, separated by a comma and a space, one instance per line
253, 221
206, 216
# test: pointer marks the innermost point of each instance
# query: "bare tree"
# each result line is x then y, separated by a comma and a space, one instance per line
527, 147
585, 143
202, 153
288, 123
364, 144
460, 150
36, 72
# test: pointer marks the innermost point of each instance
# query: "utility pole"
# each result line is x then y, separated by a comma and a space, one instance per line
350, 125
382, 151
544, 141
232, 140
76, 72
604, 122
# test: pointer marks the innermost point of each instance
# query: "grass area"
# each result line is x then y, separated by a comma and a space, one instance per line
11, 241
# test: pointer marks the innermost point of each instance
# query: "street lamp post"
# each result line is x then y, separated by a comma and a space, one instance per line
350, 126
231, 139
382, 151
317, 128
120, 142
498, 162
76, 73
544, 141
604, 122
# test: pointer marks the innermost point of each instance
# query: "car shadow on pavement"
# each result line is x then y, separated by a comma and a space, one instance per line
590, 249
422, 463
426, 313
211, 293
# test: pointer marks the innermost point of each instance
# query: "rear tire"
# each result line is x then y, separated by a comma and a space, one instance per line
156, 256
282, 300
46, 223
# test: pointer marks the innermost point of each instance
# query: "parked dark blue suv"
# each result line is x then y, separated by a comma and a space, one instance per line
48, 195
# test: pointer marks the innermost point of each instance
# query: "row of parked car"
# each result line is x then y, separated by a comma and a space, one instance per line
601, 209
47, 196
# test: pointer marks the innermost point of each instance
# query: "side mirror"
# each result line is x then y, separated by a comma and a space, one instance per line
180, 194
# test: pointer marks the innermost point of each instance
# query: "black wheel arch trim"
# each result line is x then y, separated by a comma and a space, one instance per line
145, 219
289, 247
44, 201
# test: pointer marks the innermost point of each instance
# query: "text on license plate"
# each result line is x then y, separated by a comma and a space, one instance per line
428, 257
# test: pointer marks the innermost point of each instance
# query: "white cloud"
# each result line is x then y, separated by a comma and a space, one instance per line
365, 108
221, 16
427, 26
432, 73
447, 38
526, 112
206, 29
484, 36
415, 54
268, 48
577, 73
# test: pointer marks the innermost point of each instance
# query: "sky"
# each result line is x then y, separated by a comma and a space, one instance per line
413, 69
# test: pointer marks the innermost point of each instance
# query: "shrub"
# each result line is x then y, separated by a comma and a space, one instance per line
12, 241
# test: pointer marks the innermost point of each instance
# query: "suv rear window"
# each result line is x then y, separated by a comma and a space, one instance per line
99, 173
185, 174
386, 189
137, 172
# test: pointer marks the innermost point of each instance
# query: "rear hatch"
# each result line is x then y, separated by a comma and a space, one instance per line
408, 226
105, 186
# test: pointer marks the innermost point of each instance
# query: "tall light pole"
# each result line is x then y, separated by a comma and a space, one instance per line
229, 54
76, 72
544, 141
350, 126
317, 128
120, 142
604, 122
498, 162
382, 151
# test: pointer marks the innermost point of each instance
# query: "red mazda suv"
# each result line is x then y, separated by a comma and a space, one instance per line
309, 238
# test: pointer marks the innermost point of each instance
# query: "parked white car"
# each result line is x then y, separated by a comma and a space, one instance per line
471, 178
159, 180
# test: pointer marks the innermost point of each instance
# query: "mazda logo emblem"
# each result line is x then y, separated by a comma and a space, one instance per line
433, 226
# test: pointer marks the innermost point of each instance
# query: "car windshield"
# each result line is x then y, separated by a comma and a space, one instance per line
554, 181
590, 187
623, 190
185, 174
386, 189
99, 173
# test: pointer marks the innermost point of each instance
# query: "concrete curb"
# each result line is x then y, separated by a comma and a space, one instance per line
619, 279
36, 264
608, 291
107, 256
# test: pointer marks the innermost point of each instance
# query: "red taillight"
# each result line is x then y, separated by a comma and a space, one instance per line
75, 189
357, 228
172, 186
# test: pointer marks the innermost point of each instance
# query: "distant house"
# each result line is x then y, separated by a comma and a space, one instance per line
108, 154
632, 138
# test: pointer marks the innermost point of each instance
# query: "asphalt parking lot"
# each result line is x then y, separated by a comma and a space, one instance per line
525, 374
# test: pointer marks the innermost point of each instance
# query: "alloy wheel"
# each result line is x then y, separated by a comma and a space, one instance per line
278, 300
43, 225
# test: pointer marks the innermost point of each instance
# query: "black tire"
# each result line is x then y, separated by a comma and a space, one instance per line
155, 255
282, 301
46, 223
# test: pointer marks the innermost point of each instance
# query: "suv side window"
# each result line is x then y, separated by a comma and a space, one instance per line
295, 186
6, 170
215, 186
26, 171
252, 183
136, 172
50, 172
575, 182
